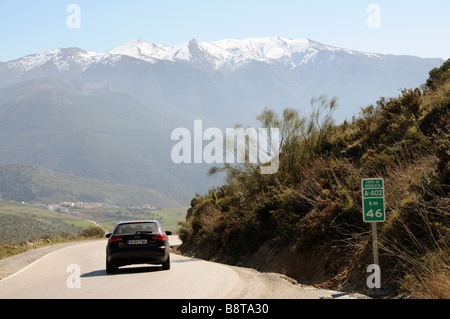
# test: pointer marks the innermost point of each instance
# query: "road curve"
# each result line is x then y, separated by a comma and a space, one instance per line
78, 271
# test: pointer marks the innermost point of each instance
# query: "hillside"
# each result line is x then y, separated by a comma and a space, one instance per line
306, 221
20, 223
36, 184
97, 134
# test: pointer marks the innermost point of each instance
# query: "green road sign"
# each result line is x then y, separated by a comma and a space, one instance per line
373, 200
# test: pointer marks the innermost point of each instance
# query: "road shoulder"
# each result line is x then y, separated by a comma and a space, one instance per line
11, 265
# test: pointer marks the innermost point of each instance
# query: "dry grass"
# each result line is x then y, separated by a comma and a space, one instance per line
429, 277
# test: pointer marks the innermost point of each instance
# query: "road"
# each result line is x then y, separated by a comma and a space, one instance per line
78, 271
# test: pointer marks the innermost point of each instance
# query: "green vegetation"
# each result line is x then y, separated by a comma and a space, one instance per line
109, 217
24, 227
306, 219
33, 183
91, 232
22, 222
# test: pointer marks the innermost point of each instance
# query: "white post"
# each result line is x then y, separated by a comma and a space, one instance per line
375, 243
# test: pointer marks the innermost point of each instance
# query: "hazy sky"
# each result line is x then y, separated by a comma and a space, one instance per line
411, 27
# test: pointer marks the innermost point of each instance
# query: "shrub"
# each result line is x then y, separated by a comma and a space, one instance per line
92, 232
438, 75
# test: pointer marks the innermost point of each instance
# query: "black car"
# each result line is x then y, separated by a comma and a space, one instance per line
137, 242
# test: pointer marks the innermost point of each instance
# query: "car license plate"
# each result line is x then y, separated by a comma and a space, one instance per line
137, 242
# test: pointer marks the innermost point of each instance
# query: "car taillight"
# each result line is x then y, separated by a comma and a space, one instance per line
159, 237
114, 239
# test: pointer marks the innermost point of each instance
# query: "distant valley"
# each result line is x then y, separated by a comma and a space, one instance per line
36, 184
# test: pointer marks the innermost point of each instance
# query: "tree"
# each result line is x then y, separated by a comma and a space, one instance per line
438, 75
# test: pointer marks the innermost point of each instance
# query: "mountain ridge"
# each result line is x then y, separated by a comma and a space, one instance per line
252, 73
232, 52
227, 53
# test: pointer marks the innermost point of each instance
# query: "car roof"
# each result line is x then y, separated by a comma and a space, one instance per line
138, 221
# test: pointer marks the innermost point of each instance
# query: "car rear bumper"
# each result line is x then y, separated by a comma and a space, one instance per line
128, 257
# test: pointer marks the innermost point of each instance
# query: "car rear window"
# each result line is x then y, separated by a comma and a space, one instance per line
132, 228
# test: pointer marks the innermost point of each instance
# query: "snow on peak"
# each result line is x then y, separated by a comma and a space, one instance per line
229, 53
262, 49
223, 54
141, 49
150, 52
218, 53
62, 58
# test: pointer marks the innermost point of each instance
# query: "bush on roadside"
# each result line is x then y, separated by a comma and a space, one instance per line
92, 232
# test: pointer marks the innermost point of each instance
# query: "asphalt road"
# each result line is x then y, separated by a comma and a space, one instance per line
78, 271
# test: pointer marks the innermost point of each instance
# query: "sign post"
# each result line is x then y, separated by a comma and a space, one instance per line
375, 243
374, 211
374, 208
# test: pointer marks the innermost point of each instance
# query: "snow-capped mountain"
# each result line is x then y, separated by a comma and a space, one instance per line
63, 59
229, 54
275, 72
